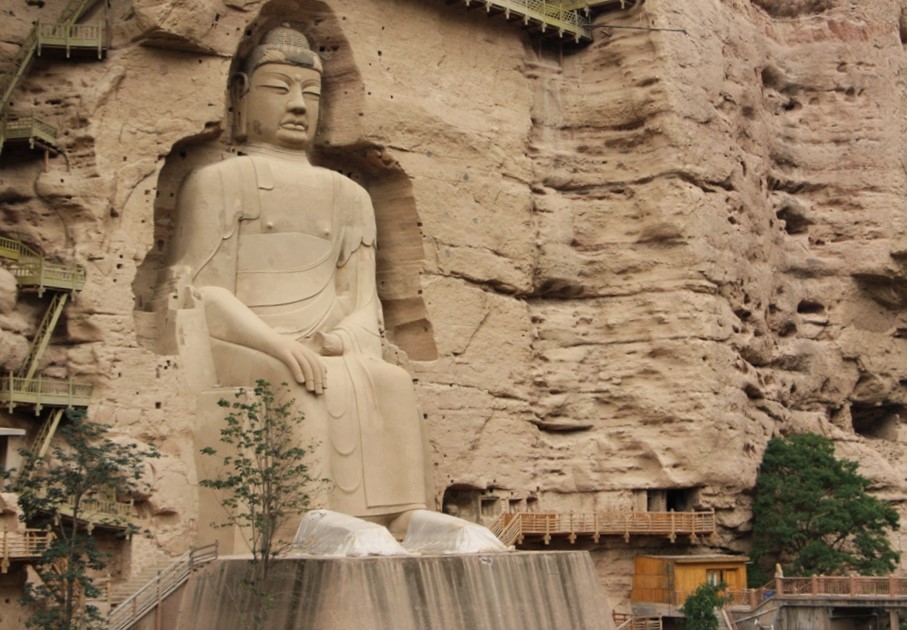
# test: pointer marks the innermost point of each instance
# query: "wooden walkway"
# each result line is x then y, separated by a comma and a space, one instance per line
22, 544
840, 588
42, 392
514, 529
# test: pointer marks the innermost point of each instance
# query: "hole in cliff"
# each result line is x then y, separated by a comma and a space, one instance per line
902, 26
788, 329
557, 287
794, 217
793, 8
808, 306
792, 105
888, 292
879, 421
752, 391
772, 77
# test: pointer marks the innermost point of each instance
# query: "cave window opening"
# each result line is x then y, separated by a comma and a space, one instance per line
876, 422
671, 499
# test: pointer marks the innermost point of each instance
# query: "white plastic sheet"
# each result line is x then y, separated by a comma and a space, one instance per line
433, 532
326, 533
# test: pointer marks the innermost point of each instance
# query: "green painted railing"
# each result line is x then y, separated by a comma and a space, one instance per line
547, 13
28, 128
39, 274
14, 250
42, 392
71, 36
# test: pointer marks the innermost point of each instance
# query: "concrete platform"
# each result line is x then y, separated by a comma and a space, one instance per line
515, 590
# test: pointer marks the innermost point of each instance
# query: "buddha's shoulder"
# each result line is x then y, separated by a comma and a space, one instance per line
227, 168
234, 170
341, 180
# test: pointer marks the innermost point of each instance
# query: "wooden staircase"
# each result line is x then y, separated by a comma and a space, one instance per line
35, 274
65, 35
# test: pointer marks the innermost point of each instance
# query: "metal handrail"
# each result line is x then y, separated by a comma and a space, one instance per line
165, 582
729, 620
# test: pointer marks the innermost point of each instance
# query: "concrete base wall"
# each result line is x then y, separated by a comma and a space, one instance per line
526, 590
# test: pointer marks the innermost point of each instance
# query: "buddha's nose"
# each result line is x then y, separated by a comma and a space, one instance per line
296, 103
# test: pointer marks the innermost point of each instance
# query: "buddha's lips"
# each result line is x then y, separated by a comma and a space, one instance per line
295, 125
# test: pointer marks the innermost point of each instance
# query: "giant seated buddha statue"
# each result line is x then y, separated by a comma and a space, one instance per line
279, 255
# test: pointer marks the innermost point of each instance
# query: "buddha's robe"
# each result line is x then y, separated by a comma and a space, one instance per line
296, 245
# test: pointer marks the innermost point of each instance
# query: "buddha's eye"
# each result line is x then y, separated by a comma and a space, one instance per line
278, 87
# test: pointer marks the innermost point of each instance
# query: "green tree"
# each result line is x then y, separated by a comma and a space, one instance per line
55, 497
813, 514
266, 478
699, 608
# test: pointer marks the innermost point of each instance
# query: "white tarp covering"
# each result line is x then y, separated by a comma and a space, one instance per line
326, 533
433, 532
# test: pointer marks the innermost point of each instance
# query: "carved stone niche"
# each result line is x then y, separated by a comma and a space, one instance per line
340, 145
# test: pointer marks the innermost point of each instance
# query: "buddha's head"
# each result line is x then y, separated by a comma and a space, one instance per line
277, 95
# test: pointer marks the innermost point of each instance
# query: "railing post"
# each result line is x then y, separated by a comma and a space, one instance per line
779, 586
5, 562
157, 609
852, 585
892, 586
814, 585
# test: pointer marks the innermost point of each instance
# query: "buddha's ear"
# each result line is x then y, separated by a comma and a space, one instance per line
239, 89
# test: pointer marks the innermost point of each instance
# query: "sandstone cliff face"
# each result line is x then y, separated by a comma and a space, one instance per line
614, 271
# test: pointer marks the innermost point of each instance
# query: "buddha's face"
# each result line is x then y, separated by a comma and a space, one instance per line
282, 105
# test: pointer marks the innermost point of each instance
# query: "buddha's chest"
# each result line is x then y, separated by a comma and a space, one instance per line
302, 204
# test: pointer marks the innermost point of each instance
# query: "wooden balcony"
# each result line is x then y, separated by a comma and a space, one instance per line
38, 274
22, 545
42, 392
514, 529
541, 15
100, 509
71, 37
28, 129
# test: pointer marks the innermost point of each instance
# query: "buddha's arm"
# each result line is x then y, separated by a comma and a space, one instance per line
203, 269
231, 320
359, 331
